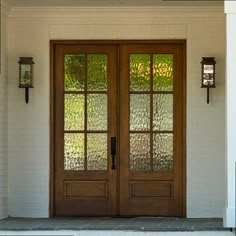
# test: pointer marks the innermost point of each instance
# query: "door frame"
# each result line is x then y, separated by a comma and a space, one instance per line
53, 44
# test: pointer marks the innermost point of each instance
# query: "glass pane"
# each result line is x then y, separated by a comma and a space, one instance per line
139, 72
163, 152
139, 112
97, 152
163, 72
97, 72
25, 75
163, 112
208, 74
140, 152
74, 151
97, 111
74, 112
74, 72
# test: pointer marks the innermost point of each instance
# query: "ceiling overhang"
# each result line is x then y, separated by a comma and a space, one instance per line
110, 3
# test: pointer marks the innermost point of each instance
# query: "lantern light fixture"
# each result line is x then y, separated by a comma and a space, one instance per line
26, 74
208, 74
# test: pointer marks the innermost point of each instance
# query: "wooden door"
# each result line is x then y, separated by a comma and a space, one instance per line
119, 95
151, 130
85, 121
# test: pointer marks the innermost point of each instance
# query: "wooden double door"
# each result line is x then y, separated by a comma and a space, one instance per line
118, 128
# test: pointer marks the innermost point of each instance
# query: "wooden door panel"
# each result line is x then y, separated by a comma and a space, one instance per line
70, 207
85, 189
85, 111
151, 189
151, 127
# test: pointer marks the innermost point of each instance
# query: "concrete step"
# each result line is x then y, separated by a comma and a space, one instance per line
115, 233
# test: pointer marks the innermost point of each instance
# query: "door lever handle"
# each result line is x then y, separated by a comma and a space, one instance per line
113, 152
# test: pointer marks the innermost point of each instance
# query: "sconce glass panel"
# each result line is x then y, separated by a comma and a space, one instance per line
208, 72
208, 75
25, 75
26, 72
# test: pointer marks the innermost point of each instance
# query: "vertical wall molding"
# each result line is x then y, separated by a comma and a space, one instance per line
3, 116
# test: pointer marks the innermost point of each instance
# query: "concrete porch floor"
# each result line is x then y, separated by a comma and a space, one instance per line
143, 224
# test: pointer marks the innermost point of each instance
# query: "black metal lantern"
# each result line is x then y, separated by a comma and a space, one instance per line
26, 69
208, 74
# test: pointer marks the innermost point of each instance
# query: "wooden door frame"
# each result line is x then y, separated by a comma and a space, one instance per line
53, 44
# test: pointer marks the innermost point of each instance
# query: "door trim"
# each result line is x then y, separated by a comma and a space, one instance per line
53, 44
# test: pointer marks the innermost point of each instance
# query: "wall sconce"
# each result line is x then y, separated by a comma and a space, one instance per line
26, 75
208, 74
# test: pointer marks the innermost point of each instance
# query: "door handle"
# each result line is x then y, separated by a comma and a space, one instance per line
113, 152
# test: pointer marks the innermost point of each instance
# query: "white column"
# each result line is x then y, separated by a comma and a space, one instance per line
230, 209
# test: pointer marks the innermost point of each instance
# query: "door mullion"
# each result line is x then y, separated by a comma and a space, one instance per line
151, 111
85, 111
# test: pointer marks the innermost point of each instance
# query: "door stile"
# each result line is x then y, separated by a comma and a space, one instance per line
124, 128
112, 119
117, 105
180, 129
59, 124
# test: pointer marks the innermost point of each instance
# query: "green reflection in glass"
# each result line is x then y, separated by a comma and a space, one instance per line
139, 72
163, 72
97, 72
74, 72
74, 112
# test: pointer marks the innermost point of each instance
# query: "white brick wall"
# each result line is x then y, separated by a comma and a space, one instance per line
3, 123
29, 33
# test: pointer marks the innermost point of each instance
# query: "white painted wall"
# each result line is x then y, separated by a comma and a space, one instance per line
3, 116
29, 32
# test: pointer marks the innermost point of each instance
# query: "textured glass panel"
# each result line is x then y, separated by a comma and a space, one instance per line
97, 72
162, 72
74, 112
97, 111
163, 152
163, 112
139, 72
74, 72
140, 152
139, 112
74, 151
97, 152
